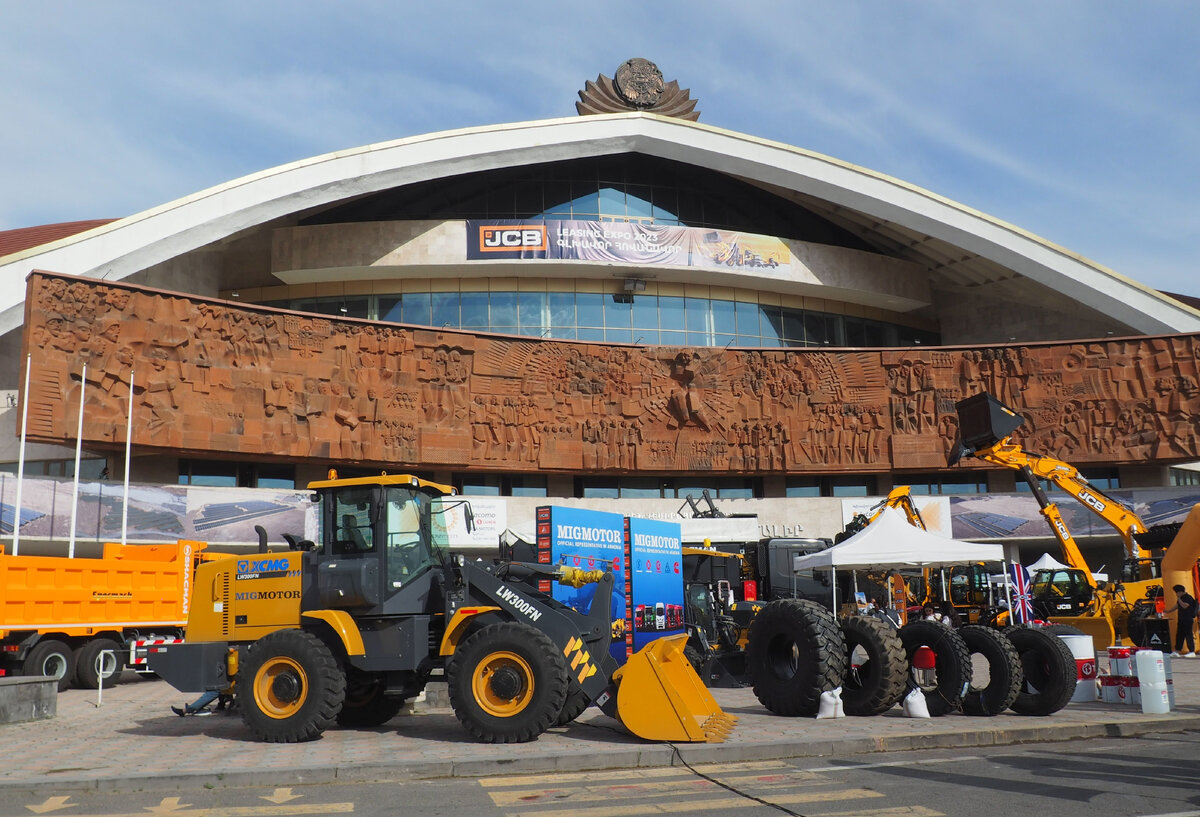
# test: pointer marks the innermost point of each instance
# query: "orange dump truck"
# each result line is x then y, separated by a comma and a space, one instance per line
83, 620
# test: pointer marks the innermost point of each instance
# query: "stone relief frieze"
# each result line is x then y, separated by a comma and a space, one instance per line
207, 376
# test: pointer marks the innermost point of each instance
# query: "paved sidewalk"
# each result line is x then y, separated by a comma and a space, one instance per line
133, 741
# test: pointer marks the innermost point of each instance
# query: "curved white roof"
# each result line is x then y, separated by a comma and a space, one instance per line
983, 248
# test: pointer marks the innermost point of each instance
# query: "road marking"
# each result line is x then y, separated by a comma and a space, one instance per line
695, 785
166, 807
853, 767
280, 796
709, 804
51, 804
620, 774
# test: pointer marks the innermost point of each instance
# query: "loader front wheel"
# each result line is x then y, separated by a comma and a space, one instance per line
367, 702
507, 683
290, 687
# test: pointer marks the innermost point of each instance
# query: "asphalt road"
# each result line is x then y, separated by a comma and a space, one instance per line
1147, 776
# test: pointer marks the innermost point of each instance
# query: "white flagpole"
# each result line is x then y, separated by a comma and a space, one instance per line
78, 451
128, 443
21, 459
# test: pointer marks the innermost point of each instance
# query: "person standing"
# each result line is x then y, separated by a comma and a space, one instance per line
1185, 604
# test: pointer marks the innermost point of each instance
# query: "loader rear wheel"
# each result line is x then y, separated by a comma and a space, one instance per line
1050, 672
796, 651
366, 703
290, 687
507, 683
944, 684
92, 665
52, 658
1004, 673
877, 667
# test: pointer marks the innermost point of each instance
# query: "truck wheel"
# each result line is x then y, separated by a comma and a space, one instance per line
1135, 624
92, 664
365, 703
52, 658
1050, 672
507, 683
290, 687
876, 666
574, 705
1004, 673
796, 651
945, 684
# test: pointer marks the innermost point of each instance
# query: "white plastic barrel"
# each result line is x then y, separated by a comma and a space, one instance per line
1152, 681
1084, 652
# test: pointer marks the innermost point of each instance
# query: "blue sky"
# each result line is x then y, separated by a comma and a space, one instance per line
1077, 121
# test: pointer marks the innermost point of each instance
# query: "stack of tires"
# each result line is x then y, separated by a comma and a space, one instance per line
798, 650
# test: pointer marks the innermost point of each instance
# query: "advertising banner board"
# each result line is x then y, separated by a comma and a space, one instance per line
589, 540
656, 580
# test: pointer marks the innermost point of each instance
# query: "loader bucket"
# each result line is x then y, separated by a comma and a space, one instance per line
660, 696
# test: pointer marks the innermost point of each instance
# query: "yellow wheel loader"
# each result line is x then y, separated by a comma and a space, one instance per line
346, 630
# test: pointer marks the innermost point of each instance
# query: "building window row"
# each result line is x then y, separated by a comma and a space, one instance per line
650, 319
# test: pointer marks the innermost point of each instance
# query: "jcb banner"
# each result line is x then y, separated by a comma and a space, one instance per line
623, 242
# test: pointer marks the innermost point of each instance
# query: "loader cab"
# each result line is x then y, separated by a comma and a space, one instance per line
1063, 592
382, 548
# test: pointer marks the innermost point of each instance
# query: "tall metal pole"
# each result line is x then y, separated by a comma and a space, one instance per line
128, 444
21, 459
78, 451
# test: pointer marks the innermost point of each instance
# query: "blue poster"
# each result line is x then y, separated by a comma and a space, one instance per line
656, 573
589, 540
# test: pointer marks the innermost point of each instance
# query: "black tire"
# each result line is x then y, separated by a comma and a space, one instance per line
289, 687
695, 658
366, 703
876, 666
947, 683
1049, 668
91, 664
1005, 675
796, 651
507, 683
574, 705
1135, 622
51, 658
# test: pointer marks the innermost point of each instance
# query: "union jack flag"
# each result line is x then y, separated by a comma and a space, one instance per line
1022, 604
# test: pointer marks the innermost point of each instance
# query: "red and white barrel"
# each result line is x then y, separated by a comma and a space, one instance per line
1083, 650
1118, 660
1110, 689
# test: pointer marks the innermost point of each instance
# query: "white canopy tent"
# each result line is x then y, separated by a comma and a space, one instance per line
891, 542
1046, 562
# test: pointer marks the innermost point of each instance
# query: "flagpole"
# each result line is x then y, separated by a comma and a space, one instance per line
21, 458
78, 452
128, 443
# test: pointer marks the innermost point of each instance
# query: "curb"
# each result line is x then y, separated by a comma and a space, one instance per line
656, 755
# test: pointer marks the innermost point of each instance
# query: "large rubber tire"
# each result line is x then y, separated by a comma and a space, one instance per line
507, 683
366, 704
574, 705
951, 676
796, 651
876, 666
290, 687
1050, 673
1135, 623
1063, 629
52, 658
91, 664
1005, 675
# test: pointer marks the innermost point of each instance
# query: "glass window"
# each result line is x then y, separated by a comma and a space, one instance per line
793, 327
586, 207
206, 472
640, 487
645, 312
671, 313
475, 310
590, 306
771, 325
504, 311
672, 338
599, 488
562, 310
275, 476
802, 486
724, 317
747, 321
612, 335
445, 309
531, 485
479, 485
611, 202
696, 310
852, 486
531, 308
417, 308
352, 521
617, 315
390, 309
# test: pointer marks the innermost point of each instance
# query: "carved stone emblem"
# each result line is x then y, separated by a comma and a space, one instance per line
639, 82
